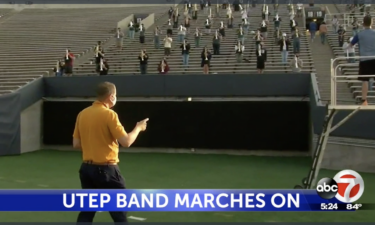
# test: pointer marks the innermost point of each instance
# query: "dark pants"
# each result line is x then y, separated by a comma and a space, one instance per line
101, 177
143, 68
216, 48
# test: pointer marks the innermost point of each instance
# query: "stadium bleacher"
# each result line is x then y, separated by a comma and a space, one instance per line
32, 40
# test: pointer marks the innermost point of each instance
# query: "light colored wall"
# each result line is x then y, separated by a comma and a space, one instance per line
31, 127
123, 24
149, 21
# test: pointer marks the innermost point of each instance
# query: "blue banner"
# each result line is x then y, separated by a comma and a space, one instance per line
166, 200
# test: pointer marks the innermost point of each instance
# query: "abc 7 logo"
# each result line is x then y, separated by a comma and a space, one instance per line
347, 186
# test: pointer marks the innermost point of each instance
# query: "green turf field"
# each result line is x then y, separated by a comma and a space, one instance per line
56, 169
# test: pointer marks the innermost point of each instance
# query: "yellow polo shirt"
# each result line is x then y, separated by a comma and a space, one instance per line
98, 128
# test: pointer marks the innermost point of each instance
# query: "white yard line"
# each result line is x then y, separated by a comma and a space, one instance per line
137, 218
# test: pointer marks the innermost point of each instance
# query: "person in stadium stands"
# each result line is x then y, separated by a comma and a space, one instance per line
230, 21
312, 29
189, 5
323, 30
264, 29
241, 34
206, 58
258, 38
97, 133
131, 29
167, 45
185, 52
261, 54
216, 41
296, 64
239, 48
99, 55
119, 38
163, 67
299, 10
284, 44
69, 58
335, 23
202, 4
245, 25
187, 24
142, 32
355, 27
143, 60
195, 13
157, 33
296, 35
349, 50
197, 37
277, 35
175, 18
222, 29
181, 33
365, 40
169, 28
105, 68
244, 15
207, 25
293, 24
276, 21
170, 13
341, 35
59, 69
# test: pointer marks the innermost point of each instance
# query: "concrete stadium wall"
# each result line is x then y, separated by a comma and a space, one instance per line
123, 24
31, 127
149, 21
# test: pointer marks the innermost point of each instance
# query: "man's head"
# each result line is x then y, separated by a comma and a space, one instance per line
106, 93
367, 21
119, 29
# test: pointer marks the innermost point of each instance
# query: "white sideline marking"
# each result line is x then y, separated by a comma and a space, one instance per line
20, 181
137, 218
43, 185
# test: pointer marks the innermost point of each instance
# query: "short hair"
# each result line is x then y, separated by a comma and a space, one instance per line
367, 21
105, 89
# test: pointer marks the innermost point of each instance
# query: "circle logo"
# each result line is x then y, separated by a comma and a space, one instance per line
327, 188
350, 186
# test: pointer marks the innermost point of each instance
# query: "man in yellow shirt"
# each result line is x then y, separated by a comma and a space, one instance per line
97, 133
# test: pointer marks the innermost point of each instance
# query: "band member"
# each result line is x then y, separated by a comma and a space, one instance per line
175, 18
265, 12
167, 45
245, 25
157, 32
284, 44
296, 41
230, 21
216, 43
142, 32
261, 54
241, 35
276, 21
207, 25
195, 12
131, 30
276, 6
239, 48
163, 67
258, 38
189, 6
296, 64
244, 15
104, 67
341, 35
181, 33
264, 29
217, 11
69, 57
197, 37
187, 24
206, 57
222, 29
293, 24
119, 38
143, 60
299, 10
59, 69
202, 4
170, 13
99, 55
229, 12
185, 48
277, 34
169, 28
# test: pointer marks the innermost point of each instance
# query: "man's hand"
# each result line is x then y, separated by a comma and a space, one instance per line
142, 125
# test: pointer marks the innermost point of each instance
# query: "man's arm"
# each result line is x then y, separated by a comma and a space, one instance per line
119, 133
77, 136
354, 41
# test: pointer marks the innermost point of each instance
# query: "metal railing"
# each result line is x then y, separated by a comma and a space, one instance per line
335, 78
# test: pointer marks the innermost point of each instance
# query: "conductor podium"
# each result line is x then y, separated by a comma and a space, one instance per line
329, 126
